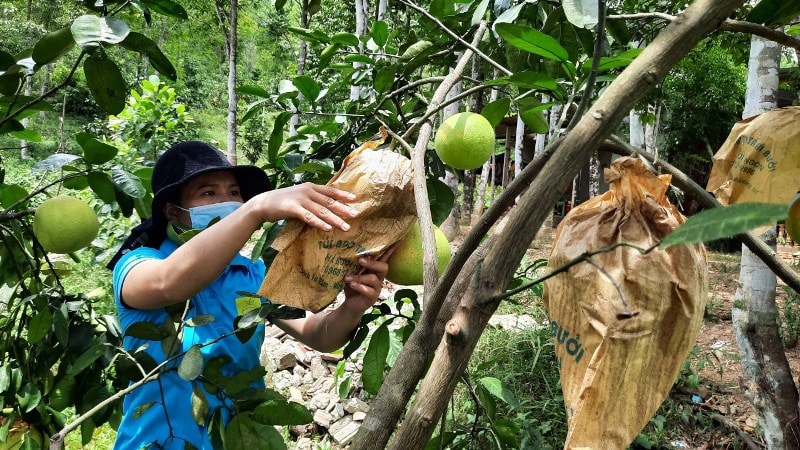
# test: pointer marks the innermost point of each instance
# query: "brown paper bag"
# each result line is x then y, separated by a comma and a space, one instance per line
760, 160
309, 270
623, 324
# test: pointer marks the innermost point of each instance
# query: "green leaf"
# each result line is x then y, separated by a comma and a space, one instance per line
27, 135
128, 183
282, 412
11, 193
532, 40
199, 406
380, 32
89, 31
200, 320
363, 59
384, 79
106, 84
441, 198
716, 223
496, 110
55, 161
147, 330
11, 82
531, 80
28, 397
86, 359
774, 12
94, 151
276, 137
145, 46
12, 103
375, 360
6, 60
327, 54
308, 87
310, 35
52, 46
499, 390
607, 63
252, 89
581, 13
480, 12
535, 120
167, 8
192, 364
243, 432
77, 183
345, 38
415, 49
39, 326
102, 185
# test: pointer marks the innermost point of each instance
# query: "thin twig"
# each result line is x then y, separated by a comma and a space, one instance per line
585, 257
599, 43
458, 38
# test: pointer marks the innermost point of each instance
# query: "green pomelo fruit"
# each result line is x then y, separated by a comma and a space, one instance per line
793, 220
405, 264
65, 224
465, 140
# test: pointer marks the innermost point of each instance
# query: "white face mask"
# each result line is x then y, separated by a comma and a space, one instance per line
202, 216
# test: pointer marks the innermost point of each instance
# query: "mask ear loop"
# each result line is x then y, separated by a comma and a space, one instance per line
177, 227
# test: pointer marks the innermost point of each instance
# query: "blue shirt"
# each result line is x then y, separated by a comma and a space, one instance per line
159, 413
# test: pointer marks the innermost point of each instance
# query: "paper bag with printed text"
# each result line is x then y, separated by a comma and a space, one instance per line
309, 269
624, 322
760, 160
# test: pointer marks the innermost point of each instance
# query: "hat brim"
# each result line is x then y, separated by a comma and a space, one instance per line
252, 181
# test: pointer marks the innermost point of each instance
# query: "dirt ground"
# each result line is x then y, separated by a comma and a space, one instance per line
717, 359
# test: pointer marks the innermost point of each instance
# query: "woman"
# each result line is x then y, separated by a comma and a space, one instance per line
163, 278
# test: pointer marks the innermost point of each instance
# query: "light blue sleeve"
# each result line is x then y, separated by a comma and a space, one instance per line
124, 265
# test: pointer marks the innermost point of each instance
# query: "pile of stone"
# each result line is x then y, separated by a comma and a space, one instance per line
306, 376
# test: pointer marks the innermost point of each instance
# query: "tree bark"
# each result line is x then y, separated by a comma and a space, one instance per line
767, 381
361, 29
233, 98
301, 62
480, 300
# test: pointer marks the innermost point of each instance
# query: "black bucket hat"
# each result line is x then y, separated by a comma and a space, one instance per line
190, 159
176, 166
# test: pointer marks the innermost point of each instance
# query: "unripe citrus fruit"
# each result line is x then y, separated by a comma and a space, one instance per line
465, 140
793, 220
65, 224
405, 264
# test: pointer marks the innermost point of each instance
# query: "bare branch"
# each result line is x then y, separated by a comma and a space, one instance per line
736, 26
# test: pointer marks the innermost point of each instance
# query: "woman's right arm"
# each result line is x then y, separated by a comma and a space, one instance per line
198, 262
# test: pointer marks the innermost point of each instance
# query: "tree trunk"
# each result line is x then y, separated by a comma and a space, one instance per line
228, 23
301, 62
636, 129
478, 302
519, 139
480, 193
233, 98
361, 28
25, 151
768, 380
